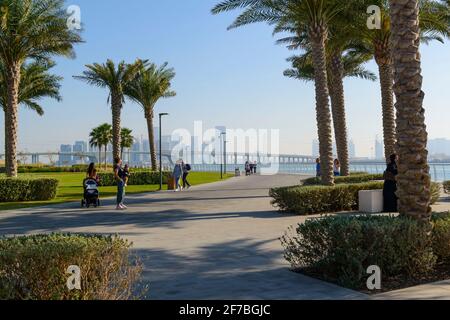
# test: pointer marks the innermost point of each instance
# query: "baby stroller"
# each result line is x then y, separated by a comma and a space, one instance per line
91, 194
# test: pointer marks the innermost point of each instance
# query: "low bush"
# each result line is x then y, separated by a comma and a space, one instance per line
320, 199
441, 237
136, 178
14, 190
435, 192
354, 178
341, 248
49, 169
35, 267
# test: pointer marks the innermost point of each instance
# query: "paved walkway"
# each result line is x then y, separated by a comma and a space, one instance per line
216, 241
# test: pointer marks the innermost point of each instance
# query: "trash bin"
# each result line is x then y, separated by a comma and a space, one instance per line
170, 182
237, 172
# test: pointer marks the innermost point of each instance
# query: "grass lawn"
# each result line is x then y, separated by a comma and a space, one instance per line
70, 188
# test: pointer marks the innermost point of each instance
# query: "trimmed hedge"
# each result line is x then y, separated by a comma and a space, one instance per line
341, 248
136, 178
49, 169
441, 237
354, 178
320, 199
35, 267
15, 190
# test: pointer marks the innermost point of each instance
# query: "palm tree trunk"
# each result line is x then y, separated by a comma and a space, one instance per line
318, 38
11, 119
387, 102
151, 137
99, 156
116, 104
414, 178
338, 110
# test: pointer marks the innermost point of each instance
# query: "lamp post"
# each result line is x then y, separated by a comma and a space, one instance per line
223, 166
160, 150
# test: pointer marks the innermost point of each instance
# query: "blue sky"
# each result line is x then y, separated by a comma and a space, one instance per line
231, 78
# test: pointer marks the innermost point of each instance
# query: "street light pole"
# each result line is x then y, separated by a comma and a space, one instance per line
160, 150
223, 166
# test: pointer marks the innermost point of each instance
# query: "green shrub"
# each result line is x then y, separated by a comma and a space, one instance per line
354, 178
341, 248
441, 237
446, 185
14, 190
435, 192
136, 178
49, 169
320, 199
34, 267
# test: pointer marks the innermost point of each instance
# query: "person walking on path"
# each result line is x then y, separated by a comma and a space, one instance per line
186, 169
177, 174
119, 176
390, 186
337, 168
318, 168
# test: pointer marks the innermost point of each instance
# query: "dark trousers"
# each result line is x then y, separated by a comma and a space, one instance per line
390, 197
185, 181
120, 192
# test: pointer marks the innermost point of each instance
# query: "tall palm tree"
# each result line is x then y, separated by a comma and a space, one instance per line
377, 41
349, 64
126, 140
341, 45
36, 83
115, 79
151, 84
100, 137
310, 19
29, 29
414, 178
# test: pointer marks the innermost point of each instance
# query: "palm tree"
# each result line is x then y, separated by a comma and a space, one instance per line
347, 65
126, 140
311, 20
115, 79
434, 26
36, 83
340, 46
29, 29
100, 137
413, 179
151, 84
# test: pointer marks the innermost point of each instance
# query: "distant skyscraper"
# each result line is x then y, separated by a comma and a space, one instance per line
146, 150
79, 147
379, 149
136, 158
351, 150
65, 160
